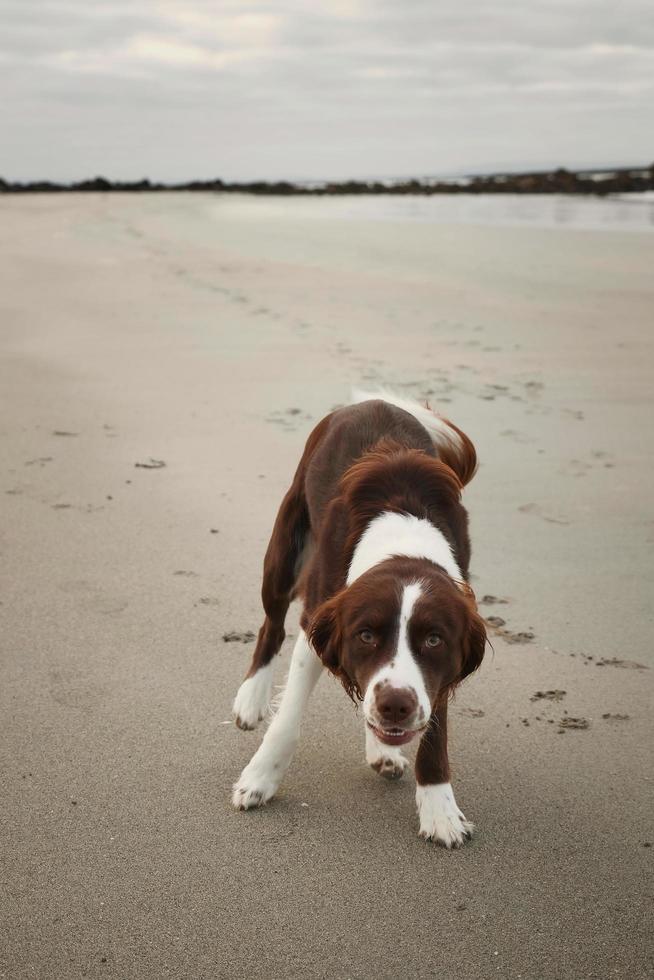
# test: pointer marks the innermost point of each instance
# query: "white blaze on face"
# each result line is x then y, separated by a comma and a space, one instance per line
401, 671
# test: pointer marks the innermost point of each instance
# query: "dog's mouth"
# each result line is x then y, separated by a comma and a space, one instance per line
393, 735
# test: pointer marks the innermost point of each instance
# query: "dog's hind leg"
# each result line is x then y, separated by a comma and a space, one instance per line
280, 571
281, 568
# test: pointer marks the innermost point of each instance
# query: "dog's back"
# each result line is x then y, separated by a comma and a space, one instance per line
352, 431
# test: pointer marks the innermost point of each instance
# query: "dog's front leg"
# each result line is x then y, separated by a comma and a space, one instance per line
261, 777
440, 818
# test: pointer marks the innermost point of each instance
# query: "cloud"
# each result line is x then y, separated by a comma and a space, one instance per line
184, 88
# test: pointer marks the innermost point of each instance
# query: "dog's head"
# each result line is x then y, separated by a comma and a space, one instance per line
400, 637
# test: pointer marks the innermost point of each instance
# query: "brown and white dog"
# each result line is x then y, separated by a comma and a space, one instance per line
372, 536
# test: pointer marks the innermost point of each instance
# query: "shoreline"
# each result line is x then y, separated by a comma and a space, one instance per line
597, 183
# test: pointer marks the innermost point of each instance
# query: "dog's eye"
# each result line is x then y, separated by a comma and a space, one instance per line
433, 640
366, 636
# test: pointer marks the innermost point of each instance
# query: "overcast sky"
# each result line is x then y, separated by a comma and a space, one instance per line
180, 89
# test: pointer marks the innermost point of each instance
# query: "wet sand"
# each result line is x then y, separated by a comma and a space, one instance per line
175, 330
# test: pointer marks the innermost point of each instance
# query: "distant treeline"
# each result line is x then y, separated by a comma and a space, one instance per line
559, 181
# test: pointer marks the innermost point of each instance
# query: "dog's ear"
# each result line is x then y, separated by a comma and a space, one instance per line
474, 644
326, 637
324, 634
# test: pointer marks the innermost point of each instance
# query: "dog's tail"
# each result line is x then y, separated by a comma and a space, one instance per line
454, 447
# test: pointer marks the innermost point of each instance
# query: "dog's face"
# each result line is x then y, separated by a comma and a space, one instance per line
398, 637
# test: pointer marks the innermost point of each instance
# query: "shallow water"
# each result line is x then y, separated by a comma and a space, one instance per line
627, 212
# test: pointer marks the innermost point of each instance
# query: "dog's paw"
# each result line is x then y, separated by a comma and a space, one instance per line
387, 760
253, 699
255, 787
390, 767
440, 818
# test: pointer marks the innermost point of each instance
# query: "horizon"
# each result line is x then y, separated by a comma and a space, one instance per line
364, 178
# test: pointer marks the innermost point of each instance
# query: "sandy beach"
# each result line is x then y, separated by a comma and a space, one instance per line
163, 358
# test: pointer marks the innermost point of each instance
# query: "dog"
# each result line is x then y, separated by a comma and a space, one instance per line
373, 538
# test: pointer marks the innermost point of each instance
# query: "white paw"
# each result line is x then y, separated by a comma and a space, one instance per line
440, 818
387, 760
390, 768
256, 785
389, 763
253, 698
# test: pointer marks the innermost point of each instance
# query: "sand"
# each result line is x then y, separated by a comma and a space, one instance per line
210, 336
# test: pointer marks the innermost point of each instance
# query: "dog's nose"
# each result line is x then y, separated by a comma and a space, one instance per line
395, 705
